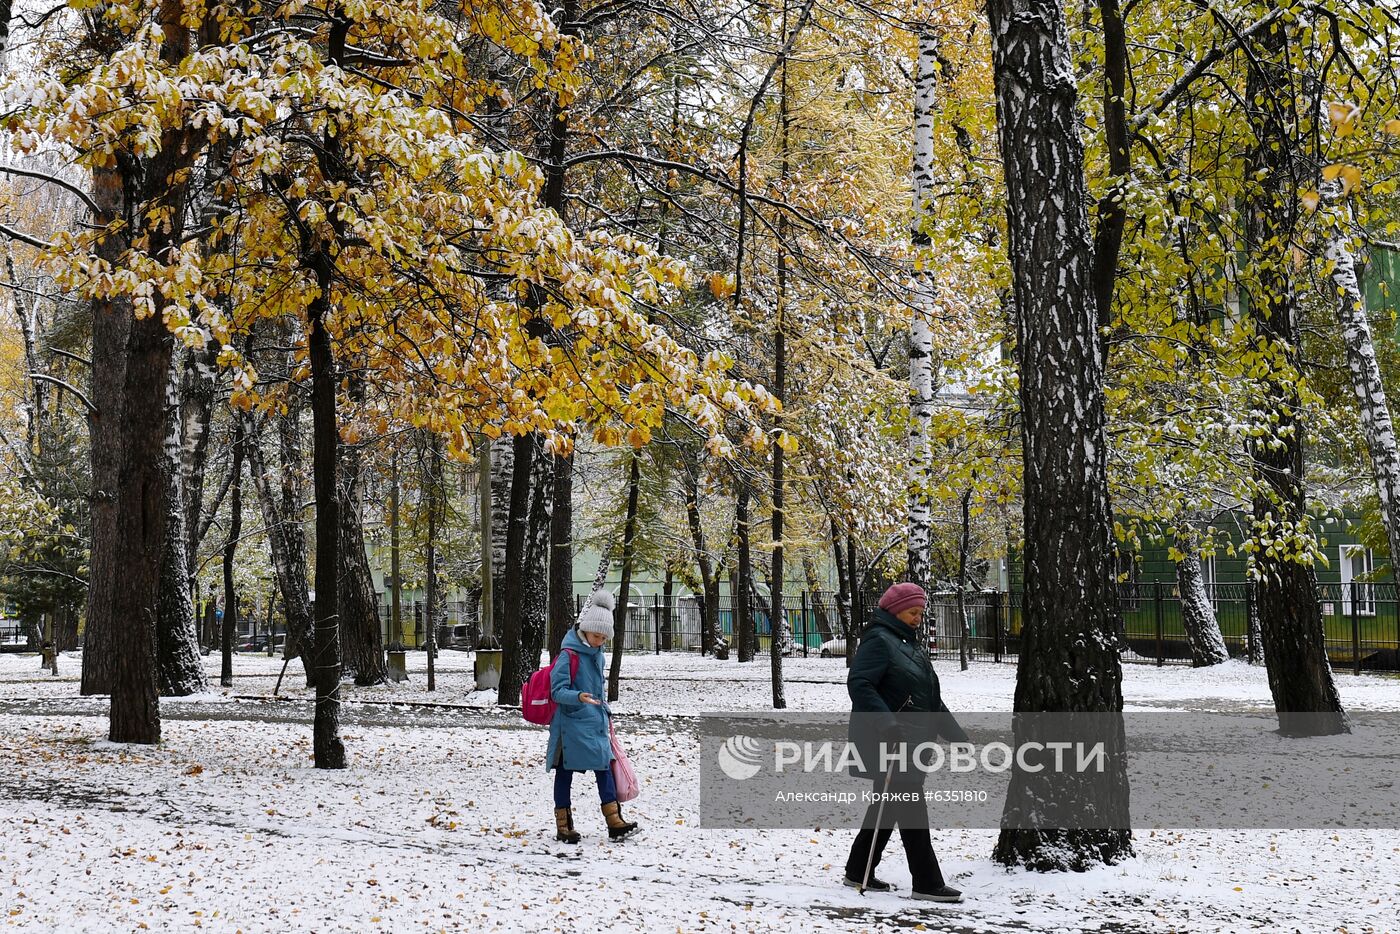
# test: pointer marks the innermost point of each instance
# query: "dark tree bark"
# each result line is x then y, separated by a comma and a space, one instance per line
709, 580
433, 494
629, 556
1290, 615
361, 638
513, 660
111, 322
235, 531
281, 514
1069, 657
327, 749
745, 638
964, 631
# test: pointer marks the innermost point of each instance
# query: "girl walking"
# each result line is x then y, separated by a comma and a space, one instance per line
579, 735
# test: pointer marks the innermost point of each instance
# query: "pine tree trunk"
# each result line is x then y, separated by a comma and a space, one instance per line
511, 598
921, 391
1197, 615
1069, 656
1290, 615
624, 594
1376, 426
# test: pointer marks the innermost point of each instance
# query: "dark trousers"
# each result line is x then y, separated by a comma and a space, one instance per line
564, 783
911, 817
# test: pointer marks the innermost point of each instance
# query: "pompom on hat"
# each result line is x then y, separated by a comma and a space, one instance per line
901, 597
598, 615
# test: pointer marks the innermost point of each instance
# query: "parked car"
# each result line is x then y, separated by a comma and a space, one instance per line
834, 648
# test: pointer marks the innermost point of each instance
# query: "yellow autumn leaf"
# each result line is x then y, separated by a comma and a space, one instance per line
1343, 117
1392, 127
1310, 200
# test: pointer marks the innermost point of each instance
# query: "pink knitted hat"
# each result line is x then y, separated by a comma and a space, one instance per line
901, 597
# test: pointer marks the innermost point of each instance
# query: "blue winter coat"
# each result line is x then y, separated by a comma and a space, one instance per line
578, 731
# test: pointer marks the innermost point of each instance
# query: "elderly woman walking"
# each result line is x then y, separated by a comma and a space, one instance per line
579, 736
892, 674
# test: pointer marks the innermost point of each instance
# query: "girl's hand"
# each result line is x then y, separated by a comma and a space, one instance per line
586, 698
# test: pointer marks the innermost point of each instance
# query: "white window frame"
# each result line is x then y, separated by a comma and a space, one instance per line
1208, 579
1366, 593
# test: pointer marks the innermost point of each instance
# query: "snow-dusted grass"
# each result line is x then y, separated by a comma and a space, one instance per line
443, 822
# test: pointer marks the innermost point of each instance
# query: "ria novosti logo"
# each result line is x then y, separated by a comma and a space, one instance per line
740, 757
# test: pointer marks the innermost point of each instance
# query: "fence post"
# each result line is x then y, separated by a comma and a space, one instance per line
996, 626
656, 621
1157, 607
1355, 630
804, 624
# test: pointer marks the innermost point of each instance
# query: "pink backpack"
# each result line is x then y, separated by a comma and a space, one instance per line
536, 699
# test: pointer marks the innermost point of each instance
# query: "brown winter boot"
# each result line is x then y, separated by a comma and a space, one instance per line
564, 826
617, 827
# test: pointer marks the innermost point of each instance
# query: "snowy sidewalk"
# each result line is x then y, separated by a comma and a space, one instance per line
443, 822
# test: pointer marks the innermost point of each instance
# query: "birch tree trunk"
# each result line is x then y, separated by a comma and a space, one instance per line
534, 622
503, 452
1290, 615
1069, 656
1365, 371
629, 557
921, 390
181, 666
1197, 614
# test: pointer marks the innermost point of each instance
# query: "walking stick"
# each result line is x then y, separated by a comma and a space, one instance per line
879, 816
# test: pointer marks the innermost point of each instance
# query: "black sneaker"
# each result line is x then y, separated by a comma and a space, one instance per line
874, 885
943, 893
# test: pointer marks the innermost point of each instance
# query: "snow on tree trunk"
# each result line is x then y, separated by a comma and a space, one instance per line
1197, 615
181, 666
1376, 426
535, 610
1069, 653
920, 324
235, 531
1290, 614
709, 579
502, 469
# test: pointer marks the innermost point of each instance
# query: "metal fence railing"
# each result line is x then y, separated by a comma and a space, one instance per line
1361, 623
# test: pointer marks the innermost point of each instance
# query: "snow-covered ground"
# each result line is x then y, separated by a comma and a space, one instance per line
444, 820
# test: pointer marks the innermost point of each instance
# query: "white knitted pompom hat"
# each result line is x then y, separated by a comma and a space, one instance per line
598, 615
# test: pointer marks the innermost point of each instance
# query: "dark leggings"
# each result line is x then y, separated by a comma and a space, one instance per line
564, 783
